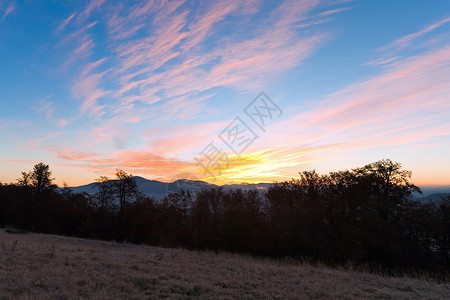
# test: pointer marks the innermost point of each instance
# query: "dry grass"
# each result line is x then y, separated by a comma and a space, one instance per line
46, 266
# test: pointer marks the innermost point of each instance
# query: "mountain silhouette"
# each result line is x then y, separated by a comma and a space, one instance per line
158, 189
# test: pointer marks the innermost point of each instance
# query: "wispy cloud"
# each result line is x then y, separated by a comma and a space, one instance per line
406, 105
92, 6
139, 162
65, 22
407, 40
14, 123
146, 85
334, 11
48, 108
184, 55
177, 140
76, 42
31, 144
392, 51
8, 10
381, 61
164, 74
88, 87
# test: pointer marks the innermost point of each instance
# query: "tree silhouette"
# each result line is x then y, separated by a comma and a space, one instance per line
105, 191
365, 216
125, 188
25, 179
41, 178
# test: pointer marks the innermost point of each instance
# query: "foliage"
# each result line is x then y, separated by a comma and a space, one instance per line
363, 216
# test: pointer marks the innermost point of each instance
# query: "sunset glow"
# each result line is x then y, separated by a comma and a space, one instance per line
89, 87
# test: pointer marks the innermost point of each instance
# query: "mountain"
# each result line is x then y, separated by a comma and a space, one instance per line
159, 190
436, 197
433, 189
433, 193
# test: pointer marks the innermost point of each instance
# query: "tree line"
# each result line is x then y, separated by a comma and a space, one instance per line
364, 216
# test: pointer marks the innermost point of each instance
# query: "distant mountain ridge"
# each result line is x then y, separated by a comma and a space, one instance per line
434, 189
158, 189
433, 193
436, 197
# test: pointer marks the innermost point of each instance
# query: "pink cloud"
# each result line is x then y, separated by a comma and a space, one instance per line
31, 144
201, 27
334, 11
74, 155
175, 63
48, 108
89, 9
175, 60
406, 105
144, 71
9, 9
79, 44
65, 22
138, 162
382, 61
406, 40
88, 87
175, 141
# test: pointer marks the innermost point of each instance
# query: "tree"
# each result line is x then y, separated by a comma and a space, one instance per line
34, 184
25, 180
41, 178
388, 185
66, 192
177, 207
442, 231
125, 188
105, 191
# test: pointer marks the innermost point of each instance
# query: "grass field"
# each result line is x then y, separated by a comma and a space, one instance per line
46, 266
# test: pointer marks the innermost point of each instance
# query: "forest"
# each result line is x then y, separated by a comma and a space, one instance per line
364, 216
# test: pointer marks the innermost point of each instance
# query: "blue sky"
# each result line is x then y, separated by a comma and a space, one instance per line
94, 86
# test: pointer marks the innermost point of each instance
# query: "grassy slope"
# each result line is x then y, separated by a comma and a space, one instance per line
46, 266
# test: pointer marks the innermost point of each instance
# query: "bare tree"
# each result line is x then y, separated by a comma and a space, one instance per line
25, 180
66, 192
105, 191
125, 188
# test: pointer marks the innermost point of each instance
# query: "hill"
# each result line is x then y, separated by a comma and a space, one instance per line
159, 189
42, 266
436, 197
428, 190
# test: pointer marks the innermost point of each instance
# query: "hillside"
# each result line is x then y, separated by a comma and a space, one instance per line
46, 266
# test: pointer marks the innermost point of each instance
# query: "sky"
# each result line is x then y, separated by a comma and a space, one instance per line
223, 91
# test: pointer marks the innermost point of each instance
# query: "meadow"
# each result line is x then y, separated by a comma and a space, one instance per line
48, 266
